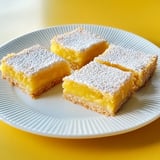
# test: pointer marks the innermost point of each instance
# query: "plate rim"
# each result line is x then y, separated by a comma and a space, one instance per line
92, 136
78, 24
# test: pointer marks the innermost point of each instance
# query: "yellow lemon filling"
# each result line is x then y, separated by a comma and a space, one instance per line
78, 47
35, 82
77, 59
34, 69
110, 102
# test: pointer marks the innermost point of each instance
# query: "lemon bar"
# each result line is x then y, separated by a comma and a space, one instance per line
98, 87
78, 46
34, 69
142, 65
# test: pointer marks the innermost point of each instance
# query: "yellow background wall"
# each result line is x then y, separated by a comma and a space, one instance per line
141, 17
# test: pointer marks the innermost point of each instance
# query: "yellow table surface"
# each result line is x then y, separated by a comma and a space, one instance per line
140, 17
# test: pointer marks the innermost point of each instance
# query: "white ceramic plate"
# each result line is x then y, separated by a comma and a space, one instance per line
52, 116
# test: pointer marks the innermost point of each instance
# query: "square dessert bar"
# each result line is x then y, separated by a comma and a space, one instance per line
34, 69
78, 47
98, 87
142, 65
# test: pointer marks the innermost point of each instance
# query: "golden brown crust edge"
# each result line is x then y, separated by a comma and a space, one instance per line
45, 88
148, 73
38, 92
152, 68
87, 105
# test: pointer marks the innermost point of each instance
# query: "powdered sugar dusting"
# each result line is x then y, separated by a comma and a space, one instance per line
33, 59
78, 39
101, 77
128, 58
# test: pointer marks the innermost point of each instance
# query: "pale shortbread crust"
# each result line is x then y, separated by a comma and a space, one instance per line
92, 106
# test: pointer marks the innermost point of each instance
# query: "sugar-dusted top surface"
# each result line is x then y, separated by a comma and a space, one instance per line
78, 39
33, 59
100, 77
127, 58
